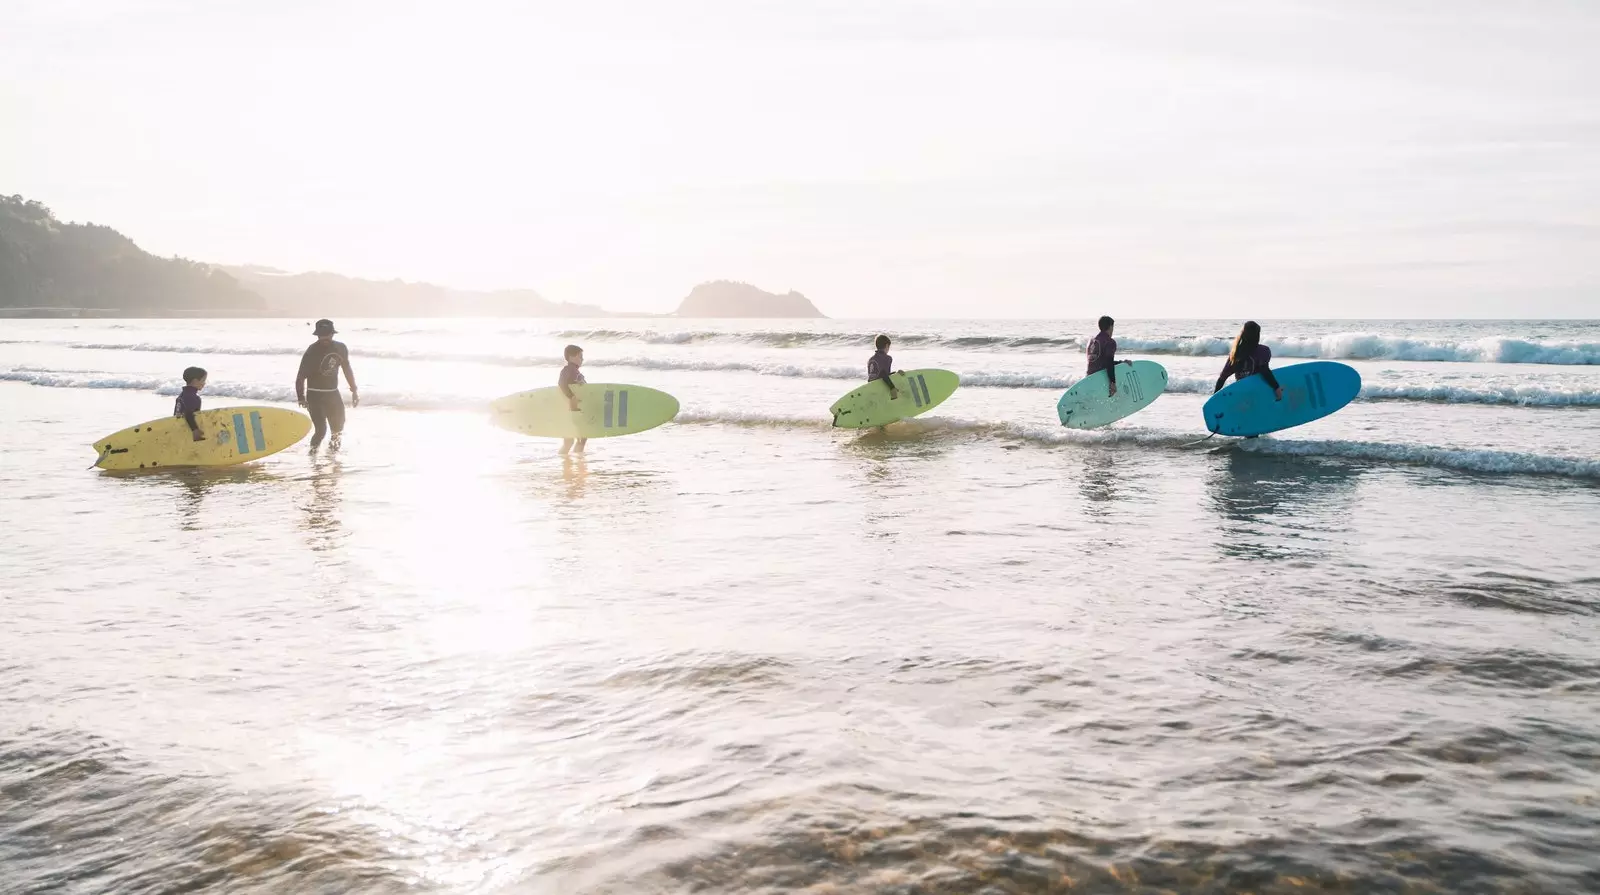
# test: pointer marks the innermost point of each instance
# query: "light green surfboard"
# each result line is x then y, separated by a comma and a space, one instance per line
1087, 405
604, 409
870, 405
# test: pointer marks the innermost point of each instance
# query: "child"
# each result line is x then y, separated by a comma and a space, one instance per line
570, 376
878, 366
188, 403
1102, 351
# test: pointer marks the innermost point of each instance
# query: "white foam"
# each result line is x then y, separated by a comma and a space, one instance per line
1425, 455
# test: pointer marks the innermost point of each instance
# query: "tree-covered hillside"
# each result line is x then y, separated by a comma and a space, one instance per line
45, 263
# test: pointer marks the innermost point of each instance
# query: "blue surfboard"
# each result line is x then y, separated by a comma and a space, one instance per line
1311, 391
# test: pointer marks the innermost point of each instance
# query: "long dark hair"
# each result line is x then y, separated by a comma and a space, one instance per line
1245, 345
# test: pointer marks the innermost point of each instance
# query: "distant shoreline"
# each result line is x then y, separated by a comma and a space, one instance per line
257, 314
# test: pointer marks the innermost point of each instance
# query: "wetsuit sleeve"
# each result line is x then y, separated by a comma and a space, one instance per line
344, 361
1111, 360
1227, 370
1266, 373
190, 407
302, 375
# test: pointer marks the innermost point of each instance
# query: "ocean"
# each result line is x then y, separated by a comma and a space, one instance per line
747, 652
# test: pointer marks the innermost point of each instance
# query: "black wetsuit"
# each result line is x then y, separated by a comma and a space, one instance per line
319, 367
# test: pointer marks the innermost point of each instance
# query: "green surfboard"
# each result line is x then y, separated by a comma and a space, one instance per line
604, 409
870, 405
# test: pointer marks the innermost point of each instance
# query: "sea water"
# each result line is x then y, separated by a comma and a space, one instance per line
746, 652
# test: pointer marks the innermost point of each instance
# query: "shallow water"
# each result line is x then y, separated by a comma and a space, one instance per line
746, 652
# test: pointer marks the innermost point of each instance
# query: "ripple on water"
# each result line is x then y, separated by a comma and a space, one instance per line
815, 850
75, 811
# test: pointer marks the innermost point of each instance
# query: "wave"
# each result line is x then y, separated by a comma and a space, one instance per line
1462, 460
164, 385
1524, 394
1465, 460
1337, 346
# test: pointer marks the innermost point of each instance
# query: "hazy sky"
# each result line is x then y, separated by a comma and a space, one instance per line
1015, 158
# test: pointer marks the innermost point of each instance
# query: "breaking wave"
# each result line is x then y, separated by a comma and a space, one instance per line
1463, 460
1522, 394
1338, 346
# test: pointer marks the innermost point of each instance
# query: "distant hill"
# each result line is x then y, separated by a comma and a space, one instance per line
50, 268
331, 294
723, 298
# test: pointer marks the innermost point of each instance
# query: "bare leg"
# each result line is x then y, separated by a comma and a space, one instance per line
582, 442
566, 446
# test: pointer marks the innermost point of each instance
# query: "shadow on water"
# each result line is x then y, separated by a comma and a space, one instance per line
908, 438
1278, 508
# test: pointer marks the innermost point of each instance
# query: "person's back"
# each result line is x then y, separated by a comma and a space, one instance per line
881, 366
188, 400
316, 385
1102, 353
1247, 358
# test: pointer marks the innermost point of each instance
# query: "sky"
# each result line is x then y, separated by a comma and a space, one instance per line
888, 158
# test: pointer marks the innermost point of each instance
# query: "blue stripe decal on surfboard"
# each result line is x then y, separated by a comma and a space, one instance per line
238, 434
916, 397
255, 429
622, 408
924, 383
610, 397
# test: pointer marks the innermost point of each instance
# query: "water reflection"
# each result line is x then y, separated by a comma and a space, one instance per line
1275, 507
321, 521
1101, 482
192, 485
575, 473
575, 481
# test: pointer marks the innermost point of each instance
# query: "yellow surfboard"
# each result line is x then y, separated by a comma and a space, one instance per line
231, 435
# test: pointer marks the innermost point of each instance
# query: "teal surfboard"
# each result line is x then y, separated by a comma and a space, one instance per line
870, 405
1089, 404
1311, 391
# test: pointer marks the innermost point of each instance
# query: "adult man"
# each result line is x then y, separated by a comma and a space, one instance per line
317, 384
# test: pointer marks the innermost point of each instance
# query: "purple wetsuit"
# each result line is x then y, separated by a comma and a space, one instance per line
878, 366
1102, 352
1255, 364
187, 405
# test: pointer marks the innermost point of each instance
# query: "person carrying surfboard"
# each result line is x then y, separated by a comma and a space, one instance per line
1248, 357
316, 386
880, 365
188, 403
1102, 351
570, 376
